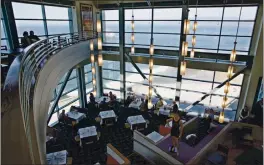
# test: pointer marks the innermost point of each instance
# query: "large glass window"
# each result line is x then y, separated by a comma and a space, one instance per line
57, 19
212, 38
111, 77
4, 41
110, 27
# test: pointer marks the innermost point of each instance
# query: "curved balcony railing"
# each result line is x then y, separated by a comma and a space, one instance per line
34, 58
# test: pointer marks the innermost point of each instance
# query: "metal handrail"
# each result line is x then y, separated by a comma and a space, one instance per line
33, 60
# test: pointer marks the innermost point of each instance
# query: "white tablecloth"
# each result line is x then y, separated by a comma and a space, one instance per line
87, 132
107, 114
76, 115
99, 100
136, 120
135, 104
164, 112
155, 136
57, 157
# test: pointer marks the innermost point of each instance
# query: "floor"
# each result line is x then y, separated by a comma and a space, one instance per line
119, 136
187, 152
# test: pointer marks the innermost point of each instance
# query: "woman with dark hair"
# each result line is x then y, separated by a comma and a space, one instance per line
176, 132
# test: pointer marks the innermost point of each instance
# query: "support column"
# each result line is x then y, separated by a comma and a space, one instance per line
122, 54
99, 75
10, 23
180, 58
251, 77
81, 86
44, 20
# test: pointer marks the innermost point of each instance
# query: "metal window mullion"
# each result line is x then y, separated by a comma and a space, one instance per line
122, 54
70, 20
59, 95
44, 20
81, 86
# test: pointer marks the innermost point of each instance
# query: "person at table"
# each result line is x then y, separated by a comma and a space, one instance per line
244, 114
63, 117
33, 37
159, 104
175, 107
25, 41
92, 98
176, 132
111, 96
103, 105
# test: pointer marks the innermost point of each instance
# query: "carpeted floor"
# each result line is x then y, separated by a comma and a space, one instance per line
119, 136
187, 152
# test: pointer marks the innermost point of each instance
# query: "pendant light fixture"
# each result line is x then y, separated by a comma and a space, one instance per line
151, 62
132, 34
184, 49
230, 71
99, 35
194, 31
93, 66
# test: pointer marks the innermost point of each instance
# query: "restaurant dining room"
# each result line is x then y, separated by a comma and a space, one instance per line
93, 82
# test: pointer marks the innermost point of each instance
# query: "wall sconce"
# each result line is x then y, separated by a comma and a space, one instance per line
100, 60
184, 48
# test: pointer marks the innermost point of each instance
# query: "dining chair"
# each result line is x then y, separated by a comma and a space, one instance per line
219, 157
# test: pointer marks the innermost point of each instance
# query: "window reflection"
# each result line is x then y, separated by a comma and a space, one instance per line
58, 27
20, 8
25, 25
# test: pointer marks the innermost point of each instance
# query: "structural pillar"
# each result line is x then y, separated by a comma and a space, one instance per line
122, 54
81, 86
251, 77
